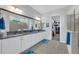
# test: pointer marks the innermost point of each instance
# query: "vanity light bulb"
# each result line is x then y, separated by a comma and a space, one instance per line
20, 11
37, 18
17, 10
12, 8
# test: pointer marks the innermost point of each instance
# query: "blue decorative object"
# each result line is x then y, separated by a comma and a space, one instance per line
29, 30
2, 23
68, 38
30, 52
45, 41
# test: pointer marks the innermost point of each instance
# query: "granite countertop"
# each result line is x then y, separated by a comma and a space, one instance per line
11, 35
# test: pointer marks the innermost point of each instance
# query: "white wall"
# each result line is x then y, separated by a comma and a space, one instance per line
46, 19
63, 28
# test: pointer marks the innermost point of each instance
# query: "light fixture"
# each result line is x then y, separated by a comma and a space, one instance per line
37, 18
20, 11
14, 9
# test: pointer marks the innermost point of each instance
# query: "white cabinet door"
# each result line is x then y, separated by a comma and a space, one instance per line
11, 45
26, 42
30, 40
36, 38
0, 47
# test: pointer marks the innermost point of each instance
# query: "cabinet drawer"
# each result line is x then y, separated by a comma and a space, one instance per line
11, 45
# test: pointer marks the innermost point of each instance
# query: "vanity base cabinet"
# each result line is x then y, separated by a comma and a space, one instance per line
37, 38
17, 45
0, 47
11, 45
26, 42
30, 40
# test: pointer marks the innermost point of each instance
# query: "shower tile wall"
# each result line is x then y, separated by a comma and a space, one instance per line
77, 22
70, 22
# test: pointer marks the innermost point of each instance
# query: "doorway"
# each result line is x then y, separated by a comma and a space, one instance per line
56, 28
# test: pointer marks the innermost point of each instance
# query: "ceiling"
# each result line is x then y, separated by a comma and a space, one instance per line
46, 8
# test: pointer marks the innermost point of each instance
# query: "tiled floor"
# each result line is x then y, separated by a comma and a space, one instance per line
56, 37
50, 47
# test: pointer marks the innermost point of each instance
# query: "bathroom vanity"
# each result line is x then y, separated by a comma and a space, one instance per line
19, 43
